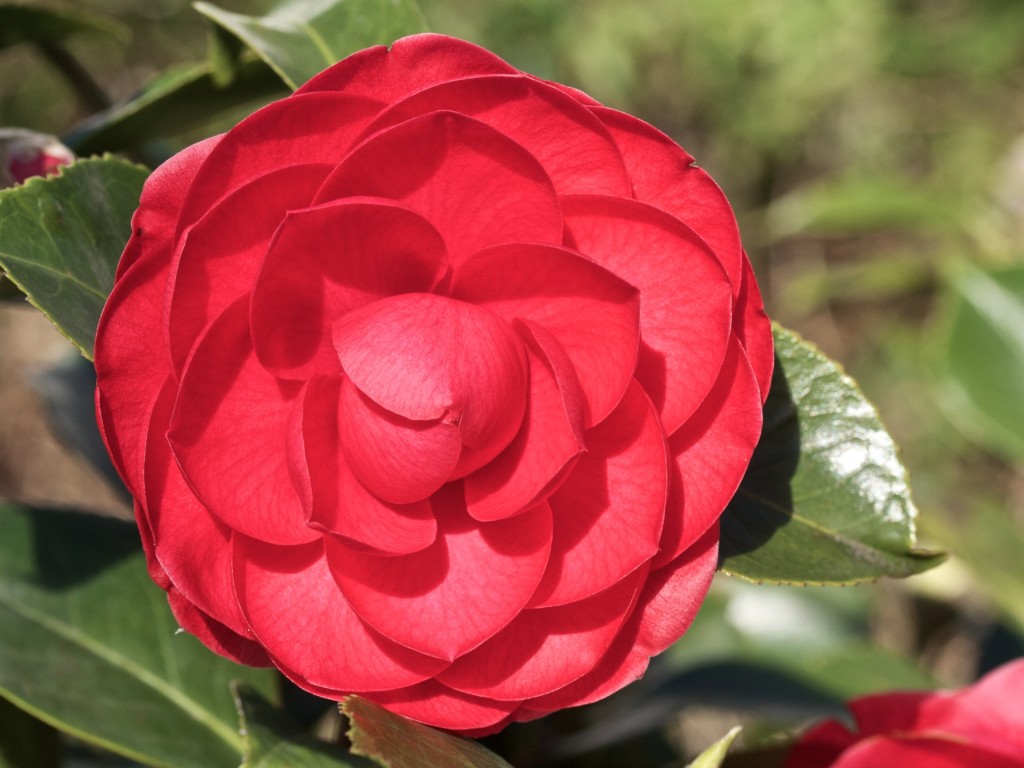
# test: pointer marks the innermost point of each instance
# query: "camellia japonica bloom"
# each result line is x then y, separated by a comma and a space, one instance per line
981, 726
431, 382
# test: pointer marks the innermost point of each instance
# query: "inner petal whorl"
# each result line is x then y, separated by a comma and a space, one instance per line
425, 358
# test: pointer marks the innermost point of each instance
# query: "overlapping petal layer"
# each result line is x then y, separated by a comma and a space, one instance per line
431, 382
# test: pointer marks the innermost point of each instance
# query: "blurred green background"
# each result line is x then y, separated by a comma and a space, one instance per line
874, 153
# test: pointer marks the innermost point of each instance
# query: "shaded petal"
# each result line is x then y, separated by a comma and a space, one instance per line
440, 706
548, 443
710, 454
449, 598
396, 459
427, 357
333, 498
299, 130
547, 648
475, 185
326, 261
820, 746
685, 304
571, 144
667, 606
609, 512
409, 64
663, 175
193, 547
297, 611
229, 435
153, 224
754, 330
215, 635
219, 257
592, 313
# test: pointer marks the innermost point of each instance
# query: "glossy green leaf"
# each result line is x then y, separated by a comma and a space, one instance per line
24, 23
393, 741
825, 499
61, 237
299, 38
180, 100
271, 740
89, 645
713, 756
983, 356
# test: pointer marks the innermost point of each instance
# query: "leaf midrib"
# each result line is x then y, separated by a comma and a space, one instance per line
125, 664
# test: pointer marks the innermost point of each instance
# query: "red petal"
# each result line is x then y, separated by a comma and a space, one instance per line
396, 459
711, 453
324, 262
820, 746
299, 130
463, 589
297, 611
666, 608
439, 706
685, 300
229, 435
663, 175
193, 547
574, 147
154, 222
592, 313
609, 512
334, 500
427, 357
985, 713
130, 368
548, 443
219, 257
547, 648
927, 752
754, 330
409, 64
475, 185
215, 635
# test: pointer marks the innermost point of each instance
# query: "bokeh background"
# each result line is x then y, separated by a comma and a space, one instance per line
874, 153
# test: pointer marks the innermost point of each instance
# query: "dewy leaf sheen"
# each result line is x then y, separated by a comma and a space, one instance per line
431, 383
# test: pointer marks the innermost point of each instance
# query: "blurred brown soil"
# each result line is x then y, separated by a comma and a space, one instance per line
35, 466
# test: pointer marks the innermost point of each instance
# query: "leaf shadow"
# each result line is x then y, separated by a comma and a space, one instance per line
764, 501
71, 548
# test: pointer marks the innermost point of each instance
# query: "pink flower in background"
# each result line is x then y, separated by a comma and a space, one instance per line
24, 154
981, 726
431, 382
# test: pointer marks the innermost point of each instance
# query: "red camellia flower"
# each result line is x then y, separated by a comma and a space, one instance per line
978, 727
431, 382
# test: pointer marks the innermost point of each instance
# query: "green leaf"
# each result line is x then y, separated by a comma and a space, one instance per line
271, 740
24, 24
990, 546
713, 756
863, 205
825, 499
393, 741
299, 38
26, 742
61, 237
89, 645
181, 99
983, 366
